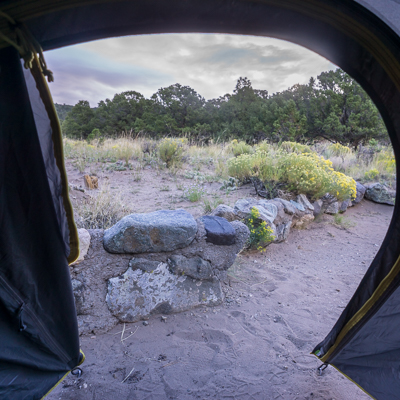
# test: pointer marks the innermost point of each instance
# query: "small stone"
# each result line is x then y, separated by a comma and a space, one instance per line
163, 319
145, 323
92, 337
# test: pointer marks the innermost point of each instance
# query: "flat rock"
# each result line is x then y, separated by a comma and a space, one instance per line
226, 212
270, 207
218, 230
297, 205
195, 267
137, 294
380, 194
143, 264
153, 232
287, 205
360, 193
302, 199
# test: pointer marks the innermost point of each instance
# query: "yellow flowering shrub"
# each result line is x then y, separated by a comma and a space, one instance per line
337, 150
314, 176
170, 150
260, 233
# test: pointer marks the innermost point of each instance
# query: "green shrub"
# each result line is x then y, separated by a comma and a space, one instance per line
260, 233
239, 148
170, 150
194, 192
294, 147
371, 174
95, 134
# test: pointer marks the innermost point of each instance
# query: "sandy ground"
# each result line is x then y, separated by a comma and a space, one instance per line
256, 345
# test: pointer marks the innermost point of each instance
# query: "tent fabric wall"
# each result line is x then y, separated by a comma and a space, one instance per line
38, 329
364, 41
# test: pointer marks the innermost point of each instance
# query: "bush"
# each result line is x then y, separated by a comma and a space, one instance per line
194, 193
314, 176
239, 148
294, 147
260, 233
371, 174
170, 150
101, 211
337, 150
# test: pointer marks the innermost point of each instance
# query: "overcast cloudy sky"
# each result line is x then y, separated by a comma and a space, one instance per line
209, 63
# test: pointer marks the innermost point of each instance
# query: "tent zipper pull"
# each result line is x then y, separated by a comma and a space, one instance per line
22, 326
322, 368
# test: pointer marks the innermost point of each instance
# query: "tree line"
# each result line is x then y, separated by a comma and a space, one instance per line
333, 107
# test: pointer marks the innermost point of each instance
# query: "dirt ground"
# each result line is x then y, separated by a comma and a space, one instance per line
256, 345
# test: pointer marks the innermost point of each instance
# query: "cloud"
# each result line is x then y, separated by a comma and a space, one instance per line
209, 63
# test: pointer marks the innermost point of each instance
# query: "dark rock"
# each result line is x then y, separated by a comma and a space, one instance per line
360, 193
195, 267
218, 230
344, 205
380, 194
153, 232
317, 207
78, 289
143, 264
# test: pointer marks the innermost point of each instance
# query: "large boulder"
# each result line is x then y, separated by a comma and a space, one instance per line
380, 194
153, 232
137, 294
218, 230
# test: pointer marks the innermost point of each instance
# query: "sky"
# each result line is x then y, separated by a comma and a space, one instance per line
208, 63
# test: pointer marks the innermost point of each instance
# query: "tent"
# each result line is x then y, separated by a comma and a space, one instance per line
38, 329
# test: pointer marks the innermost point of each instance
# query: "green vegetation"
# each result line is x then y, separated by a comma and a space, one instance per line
332, 107
260, 233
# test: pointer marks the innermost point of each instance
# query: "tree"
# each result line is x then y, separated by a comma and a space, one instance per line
79, 121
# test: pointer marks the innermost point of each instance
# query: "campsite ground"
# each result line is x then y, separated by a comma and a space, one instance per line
256, 345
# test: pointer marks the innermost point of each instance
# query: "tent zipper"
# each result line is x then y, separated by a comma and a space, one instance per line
25, 308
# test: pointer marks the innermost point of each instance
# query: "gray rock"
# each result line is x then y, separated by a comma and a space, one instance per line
137, 294
243, 209
78, 289
282, 232
344, 205
153, 232
84, 243
288, 206
317, 207
143, 264
270, 207
360, 193
226, 212
297, 205
302, 199
380, 194
332, 208
195, 267
218, 230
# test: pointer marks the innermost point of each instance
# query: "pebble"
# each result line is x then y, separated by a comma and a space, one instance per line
145, 323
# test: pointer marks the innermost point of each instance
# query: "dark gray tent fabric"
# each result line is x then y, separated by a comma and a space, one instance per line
38, 330
362, 37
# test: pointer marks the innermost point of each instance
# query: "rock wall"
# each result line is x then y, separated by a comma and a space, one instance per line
126, 287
